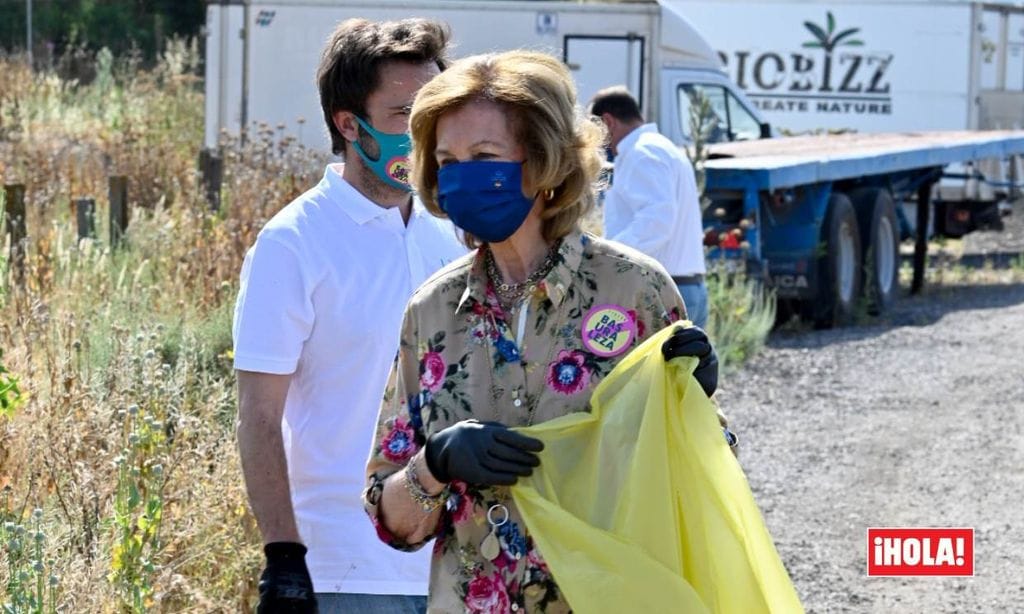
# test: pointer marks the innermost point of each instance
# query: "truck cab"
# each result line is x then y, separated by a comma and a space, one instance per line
736, 118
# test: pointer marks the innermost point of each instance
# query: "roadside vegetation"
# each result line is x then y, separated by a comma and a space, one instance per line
120, 488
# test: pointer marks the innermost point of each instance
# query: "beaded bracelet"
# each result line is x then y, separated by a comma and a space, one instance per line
427, 501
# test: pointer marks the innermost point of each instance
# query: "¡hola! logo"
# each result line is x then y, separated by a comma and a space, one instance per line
920, 552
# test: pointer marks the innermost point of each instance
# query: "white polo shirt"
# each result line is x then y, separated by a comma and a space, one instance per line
322, 295
653, 205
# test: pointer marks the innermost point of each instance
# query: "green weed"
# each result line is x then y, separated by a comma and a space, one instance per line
740, 316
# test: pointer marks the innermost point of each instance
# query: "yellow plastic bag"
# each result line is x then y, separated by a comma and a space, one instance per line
640, 506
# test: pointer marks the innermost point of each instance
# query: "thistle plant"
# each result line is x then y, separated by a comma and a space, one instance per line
30, 588
139, 494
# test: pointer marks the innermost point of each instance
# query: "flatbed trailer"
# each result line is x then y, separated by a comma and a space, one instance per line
818, 218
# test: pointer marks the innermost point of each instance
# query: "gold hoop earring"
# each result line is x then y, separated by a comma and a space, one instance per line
548, 194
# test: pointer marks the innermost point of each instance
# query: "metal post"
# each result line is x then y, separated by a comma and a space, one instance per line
924, 203
14, 213
245, 72
85, 215
222, 73
118, 209
1015, 191
28, 30
1004, 50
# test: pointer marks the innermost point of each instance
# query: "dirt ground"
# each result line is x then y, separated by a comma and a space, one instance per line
914, 421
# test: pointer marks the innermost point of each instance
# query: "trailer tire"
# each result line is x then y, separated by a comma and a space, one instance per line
879, 227
839, 267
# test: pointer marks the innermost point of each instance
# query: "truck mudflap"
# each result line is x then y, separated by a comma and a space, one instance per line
793, 278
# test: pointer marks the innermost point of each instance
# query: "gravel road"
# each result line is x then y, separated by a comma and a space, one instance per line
915, 422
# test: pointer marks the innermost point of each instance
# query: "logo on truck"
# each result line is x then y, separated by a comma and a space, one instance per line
831, 73
264, 18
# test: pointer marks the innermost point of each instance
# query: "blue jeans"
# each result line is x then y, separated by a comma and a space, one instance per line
346, 603
696, 298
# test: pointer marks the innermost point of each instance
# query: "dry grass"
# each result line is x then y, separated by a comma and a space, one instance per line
124, 435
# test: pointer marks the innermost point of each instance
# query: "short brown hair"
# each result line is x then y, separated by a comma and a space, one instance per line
349, 68
618, 102
562, 148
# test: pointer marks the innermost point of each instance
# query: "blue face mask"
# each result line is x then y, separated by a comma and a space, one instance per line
392, 166
484, 198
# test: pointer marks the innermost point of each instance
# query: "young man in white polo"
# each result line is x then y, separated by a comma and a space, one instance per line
317, 326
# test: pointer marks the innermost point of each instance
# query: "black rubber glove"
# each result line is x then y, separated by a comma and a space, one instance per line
693, 341
482, 453
285, 585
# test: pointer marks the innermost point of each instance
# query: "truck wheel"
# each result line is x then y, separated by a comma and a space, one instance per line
839, 267
876, 217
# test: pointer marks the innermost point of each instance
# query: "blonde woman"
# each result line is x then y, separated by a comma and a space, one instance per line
518, 332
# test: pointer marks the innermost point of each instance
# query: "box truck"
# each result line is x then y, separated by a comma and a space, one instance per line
872, 65
261, 56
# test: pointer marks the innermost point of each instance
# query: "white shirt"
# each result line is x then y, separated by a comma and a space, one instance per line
653, 205
322, 295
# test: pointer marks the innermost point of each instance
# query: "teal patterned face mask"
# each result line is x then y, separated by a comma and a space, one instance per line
392, 166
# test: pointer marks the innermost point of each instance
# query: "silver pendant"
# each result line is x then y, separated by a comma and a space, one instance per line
490, 548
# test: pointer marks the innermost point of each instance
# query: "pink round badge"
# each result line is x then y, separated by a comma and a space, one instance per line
608, 330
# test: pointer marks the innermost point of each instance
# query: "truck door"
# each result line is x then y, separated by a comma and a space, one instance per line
598, 62
730, 120
223, 100
999, 53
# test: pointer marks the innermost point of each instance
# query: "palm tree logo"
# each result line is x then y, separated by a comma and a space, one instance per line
828, 40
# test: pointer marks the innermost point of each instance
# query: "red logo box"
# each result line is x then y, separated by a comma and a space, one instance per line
920, 552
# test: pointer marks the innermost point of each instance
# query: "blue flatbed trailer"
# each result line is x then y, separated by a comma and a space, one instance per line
818, 218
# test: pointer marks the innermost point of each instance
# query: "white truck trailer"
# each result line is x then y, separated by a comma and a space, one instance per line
261, 56
872, 65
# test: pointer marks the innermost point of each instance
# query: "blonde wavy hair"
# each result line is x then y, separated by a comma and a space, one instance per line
563, 149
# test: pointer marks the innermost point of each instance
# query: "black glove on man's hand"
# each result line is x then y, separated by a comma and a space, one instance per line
693, 341
285, 586
482, 453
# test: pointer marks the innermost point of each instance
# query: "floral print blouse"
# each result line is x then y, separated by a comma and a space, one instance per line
463, 357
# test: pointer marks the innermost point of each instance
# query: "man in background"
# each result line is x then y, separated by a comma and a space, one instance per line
317, 326
653, 204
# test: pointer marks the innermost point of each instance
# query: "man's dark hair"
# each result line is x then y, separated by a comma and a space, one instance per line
349, 68
618, 102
